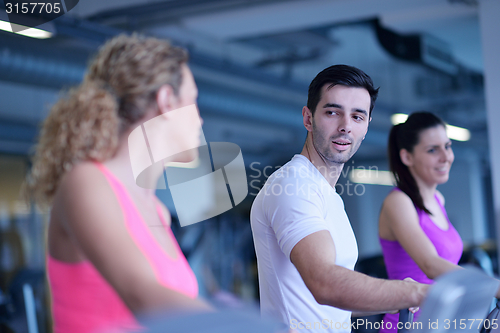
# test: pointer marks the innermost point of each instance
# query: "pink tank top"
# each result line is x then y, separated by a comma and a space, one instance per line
400, 265
83, 301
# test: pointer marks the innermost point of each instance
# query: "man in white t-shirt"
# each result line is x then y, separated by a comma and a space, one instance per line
305, 246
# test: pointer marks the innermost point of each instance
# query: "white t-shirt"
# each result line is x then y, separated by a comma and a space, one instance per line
295, 202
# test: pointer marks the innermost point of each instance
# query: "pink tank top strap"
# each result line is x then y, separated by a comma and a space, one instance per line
137, 227
83, 301
174, 273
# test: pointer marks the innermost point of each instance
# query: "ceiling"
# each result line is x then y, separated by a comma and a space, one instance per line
253, 61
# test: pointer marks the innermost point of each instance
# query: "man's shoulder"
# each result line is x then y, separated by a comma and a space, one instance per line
293, 183
297, 169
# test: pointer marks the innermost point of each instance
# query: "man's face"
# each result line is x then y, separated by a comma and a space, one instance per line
340, 122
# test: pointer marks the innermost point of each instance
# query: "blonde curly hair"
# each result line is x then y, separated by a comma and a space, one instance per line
118, 89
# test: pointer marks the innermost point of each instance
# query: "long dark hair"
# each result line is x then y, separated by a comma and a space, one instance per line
406, 136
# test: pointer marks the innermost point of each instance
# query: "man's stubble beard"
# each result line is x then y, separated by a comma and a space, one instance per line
325, 150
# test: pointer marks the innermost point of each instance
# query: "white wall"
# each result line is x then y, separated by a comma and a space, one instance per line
490, 25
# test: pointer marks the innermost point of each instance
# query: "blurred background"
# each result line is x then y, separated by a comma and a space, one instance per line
253, 61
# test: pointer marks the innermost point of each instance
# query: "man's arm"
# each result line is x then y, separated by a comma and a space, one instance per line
330, 284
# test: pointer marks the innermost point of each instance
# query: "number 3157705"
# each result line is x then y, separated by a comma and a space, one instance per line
33, 8
470, 324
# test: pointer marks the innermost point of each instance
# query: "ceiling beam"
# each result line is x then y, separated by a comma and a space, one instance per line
281, 17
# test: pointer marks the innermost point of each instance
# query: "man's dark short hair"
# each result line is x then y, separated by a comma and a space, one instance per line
343, 75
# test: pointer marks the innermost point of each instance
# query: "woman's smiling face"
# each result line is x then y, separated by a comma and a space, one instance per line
431, 159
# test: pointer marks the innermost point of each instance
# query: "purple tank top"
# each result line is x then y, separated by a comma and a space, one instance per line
400, 265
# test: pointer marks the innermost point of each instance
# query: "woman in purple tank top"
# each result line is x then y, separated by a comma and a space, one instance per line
417, 239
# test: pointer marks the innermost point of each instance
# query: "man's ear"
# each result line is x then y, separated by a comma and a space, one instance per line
369, 120
406, 157
307, 118
165, 98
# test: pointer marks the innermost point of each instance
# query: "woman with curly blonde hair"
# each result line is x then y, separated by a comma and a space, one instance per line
111, 253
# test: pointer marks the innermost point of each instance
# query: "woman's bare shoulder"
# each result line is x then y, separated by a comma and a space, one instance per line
81, 173
397, 211
397, 198
84, 187
398, 206
84, 178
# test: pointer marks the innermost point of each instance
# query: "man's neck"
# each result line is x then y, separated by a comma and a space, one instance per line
331, 171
